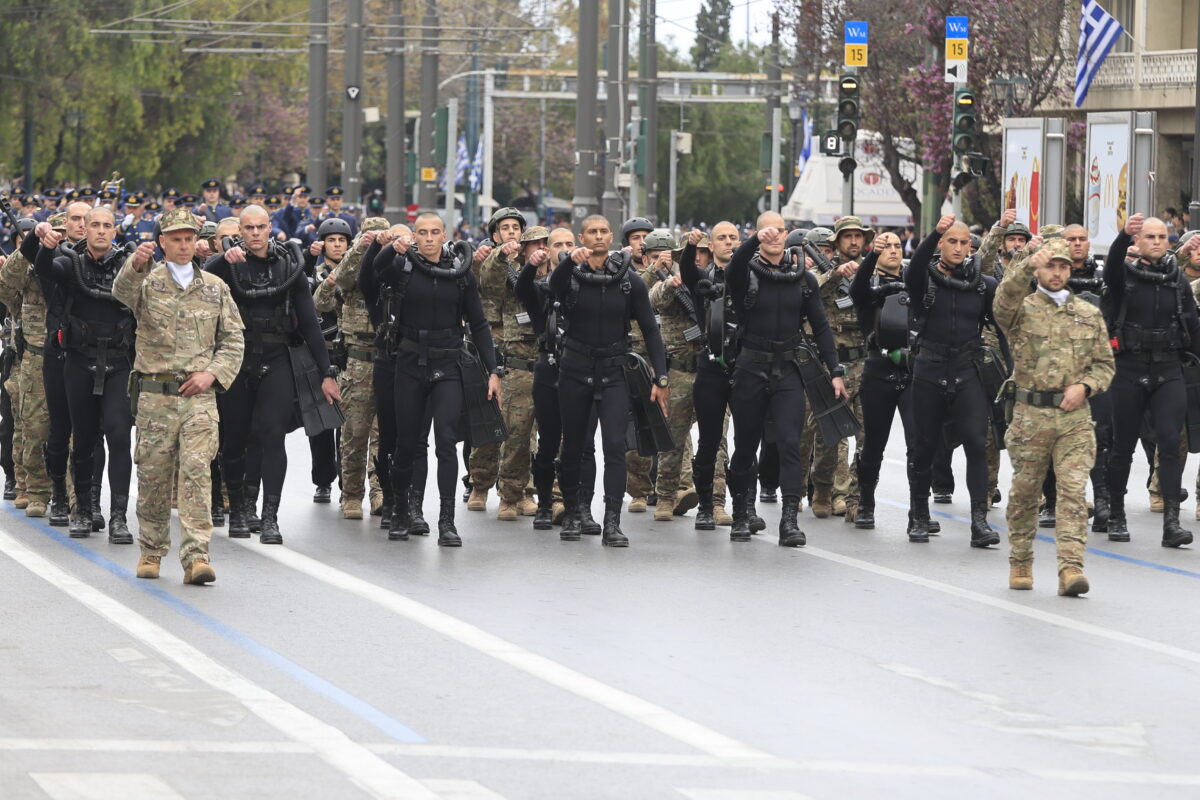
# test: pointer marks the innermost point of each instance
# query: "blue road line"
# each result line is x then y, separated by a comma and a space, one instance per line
1141, 562
360, 708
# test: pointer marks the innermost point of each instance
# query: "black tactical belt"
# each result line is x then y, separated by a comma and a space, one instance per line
523, 364
848, 354
1039, 399
360, 353
945, 350
682, 364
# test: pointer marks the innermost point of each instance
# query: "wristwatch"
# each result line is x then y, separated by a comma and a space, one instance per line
838, 372
662, 381
332, 372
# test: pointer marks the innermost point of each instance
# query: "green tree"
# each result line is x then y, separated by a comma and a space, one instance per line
712, 33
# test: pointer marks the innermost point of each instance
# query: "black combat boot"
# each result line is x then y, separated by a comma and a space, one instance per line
1102, 512
322, 494
60, 507
218, 504
252, 518
757, 523
766, 494
704, 511
399, 522
1173, 534
570, 522
447, 533
612, 536
790, 534
1118, 529
118, 527
467, 487
740, 532
239, 525
81, 520
10, 488
385, 509
1047, 517
97, 513
982, 534
418, 526
543, 518
918, 520
864, 520
587, 523
270, 521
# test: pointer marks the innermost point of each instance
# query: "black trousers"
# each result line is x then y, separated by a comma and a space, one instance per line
419, 403
8, 424
885, 390
942, 476
383, 379
710, 397
259, 409
969, 410
324, 449
548, 417
752, 400
92, 415
59, 441
580, 413
1138, 387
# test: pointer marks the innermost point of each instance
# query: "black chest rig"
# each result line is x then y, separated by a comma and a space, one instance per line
967, 278
262, 289
99, 339
454, 265
1087, 283
1159, 341
792, 271
891, 330
719, 317
615, 274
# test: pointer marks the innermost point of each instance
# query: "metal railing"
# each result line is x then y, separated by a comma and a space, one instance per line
1170, 68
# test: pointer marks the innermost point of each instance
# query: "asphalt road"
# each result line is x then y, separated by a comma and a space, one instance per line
342, 665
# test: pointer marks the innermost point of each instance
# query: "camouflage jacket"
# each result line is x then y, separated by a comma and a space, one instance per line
197, 329
344, 297
989, 252
673, 317
515, 333
17, 278
1052, 346
649, 277
847, 333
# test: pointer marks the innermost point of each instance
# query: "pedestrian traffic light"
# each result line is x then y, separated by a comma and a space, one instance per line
966, 126
635, 147
848, 109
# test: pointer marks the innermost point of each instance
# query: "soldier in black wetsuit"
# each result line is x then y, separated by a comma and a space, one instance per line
97, 336
952, 301
429, 296
1152, 317
268, 284
599, 295
774, 296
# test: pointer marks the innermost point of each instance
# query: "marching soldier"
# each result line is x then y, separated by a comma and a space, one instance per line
1005, 239
638, 467
189, 347
1061, 357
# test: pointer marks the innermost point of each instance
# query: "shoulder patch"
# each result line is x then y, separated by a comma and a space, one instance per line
158, 285
210, 293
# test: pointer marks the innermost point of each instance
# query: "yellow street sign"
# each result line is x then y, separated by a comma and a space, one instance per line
428, 174
956, 49
856, 55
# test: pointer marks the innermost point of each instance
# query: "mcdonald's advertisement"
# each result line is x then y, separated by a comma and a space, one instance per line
1023, 162
1107, 181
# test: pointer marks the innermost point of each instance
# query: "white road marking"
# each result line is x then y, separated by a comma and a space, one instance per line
461, 790
362, 767
103, 786
733, 794
1048, 617
630, 706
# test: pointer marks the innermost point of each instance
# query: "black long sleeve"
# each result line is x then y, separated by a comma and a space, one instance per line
560, 278
860, 286
530, 297
916, 277
308, 323
647, 323
688, 270
1114, 266
737, 273
368, 283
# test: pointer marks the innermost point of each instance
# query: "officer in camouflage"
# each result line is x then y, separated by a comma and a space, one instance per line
1061, 356
1006, 238
518, 343
189, 346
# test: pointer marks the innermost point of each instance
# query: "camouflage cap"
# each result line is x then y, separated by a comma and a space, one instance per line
375, 224
1050, 231
1058, 249
178, 219
58, 221
535, 233
851, 223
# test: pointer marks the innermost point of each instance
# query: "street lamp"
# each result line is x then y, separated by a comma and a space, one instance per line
75, 120
1012, 91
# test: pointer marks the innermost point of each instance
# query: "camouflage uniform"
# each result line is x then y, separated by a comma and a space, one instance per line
638, 467
681, 411
180, 331
519, 345
360, 432
484, 464
12, 385
1053, 347
17, 276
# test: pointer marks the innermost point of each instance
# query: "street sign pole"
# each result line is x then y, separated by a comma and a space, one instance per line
955, 72
855, 48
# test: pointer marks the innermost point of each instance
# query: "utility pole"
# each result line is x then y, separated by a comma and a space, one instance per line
352, 116
672, 181
318, 92
29, 137
429, 82
614, 108
649, 103
773, 110
1194, 206
585, 201
394, 133
776, 155
472, 131
451, 160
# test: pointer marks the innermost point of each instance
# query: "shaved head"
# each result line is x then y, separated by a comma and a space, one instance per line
254, 210
770, 219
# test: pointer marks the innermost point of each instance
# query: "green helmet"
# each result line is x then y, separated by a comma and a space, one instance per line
1018, 229
508, 212
1183, 240
819, 237
659, 239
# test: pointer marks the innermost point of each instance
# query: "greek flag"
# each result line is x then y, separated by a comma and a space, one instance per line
1098, 32
475, 181
461, 162
806, 147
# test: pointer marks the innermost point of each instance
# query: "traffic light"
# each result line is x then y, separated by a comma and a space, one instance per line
848, 110
635, 147
966, 125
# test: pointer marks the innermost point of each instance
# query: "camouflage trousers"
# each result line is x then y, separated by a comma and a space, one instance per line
681, 415
1037, 439
34, 425
360, 432
639, 480
515, 450
831, 465
171, 428
13, 387
484, 466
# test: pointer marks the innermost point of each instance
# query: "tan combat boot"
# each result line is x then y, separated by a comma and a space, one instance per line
351, 509
685, 501
478, 500
721, 516
822, 502
376, 503
637, 505
1072, 582
36, 508
199, 572
851, 512
22, 499
665, 510
148, 566
507, 512
527, 507
839, 506
1020, 575
557, 511
1156, 502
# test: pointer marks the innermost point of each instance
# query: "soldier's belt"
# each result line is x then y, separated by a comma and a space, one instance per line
947, 351
682, 364
848, 354
360, 353
1039, 399
523, 364
161, 383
